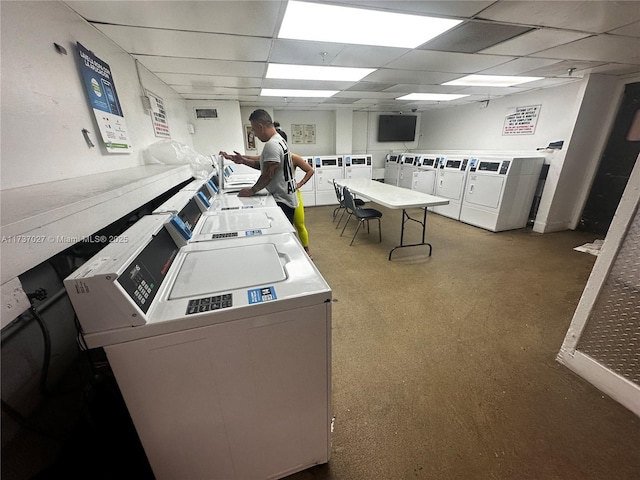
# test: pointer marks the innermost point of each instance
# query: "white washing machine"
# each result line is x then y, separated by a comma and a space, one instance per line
308, 190
450, 183
358, 166
407, 168
240, 223
222, 350
391, 169
500, 191
327, 169
424, 177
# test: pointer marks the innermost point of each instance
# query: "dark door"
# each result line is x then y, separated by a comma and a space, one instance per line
616, 164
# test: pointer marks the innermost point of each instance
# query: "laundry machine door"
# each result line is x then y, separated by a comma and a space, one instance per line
484, 190
450, 185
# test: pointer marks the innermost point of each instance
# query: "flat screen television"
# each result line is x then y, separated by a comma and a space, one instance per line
396, 128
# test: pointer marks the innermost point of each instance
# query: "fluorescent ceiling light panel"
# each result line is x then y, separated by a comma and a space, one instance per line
286, 92
313, 72
437, 97
333, 23
491, 81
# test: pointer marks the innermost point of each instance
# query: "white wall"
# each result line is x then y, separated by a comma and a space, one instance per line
470, 127
325, 122
45, 106
215, 134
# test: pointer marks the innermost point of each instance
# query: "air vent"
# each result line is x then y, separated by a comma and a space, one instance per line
206, 113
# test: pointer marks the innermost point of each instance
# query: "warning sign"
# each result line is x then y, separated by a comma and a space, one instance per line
522, 122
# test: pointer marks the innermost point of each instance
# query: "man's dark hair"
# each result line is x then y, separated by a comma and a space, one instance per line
261, 116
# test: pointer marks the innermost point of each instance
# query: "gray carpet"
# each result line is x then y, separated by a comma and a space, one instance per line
444, 366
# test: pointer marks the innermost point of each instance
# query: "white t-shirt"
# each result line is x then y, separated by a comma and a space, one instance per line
283, 184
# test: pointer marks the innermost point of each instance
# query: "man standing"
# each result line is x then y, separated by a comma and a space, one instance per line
274, 164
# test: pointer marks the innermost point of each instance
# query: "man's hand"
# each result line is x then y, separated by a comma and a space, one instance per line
245, 192
236, 157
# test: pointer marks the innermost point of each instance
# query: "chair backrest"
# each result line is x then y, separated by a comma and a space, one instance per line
338, 191
348, 199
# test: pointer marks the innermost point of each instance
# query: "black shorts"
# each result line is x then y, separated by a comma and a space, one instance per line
288, 211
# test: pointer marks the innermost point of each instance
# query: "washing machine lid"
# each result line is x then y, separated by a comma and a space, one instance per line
229, 268
241, 223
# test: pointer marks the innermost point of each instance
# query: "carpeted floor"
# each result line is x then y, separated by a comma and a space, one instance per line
444, 366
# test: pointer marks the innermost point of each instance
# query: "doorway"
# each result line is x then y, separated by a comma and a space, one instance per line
615, 167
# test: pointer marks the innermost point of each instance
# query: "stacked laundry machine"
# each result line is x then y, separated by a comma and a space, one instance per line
327, 169
358, 166
217, 327
424, 176
391, 168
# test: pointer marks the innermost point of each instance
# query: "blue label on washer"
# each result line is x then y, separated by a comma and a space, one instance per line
251, 233
259, 295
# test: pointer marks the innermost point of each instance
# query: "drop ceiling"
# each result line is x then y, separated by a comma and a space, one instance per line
212, 50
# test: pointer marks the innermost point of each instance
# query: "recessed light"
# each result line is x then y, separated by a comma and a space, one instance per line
491, 81
437, 97
314, 72
333, 23
285, 92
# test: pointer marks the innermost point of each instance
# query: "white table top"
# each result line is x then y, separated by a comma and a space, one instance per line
390, 196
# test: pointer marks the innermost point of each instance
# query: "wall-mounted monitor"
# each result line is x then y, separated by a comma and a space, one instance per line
397, 128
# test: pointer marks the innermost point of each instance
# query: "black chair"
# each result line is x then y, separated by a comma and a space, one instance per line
362, 214
341, 206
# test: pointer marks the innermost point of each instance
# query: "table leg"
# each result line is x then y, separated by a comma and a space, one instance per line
405, 218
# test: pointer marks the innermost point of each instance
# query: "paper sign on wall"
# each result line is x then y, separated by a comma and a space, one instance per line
103, 97
522, 122
159, 116
303, 133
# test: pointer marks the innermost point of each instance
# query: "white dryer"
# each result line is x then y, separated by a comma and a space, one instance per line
222, 350
450, 183
424, 177
391, 169
358, 166
308, 190
407, 168
327, 169
500, 191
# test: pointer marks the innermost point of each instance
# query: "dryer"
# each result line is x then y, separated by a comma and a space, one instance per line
358, 166
222, 350
424, 177
406, 169
308, 190
391, 169
327, 169
450, 183
500, 191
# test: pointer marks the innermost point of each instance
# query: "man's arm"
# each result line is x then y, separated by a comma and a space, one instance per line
268, 172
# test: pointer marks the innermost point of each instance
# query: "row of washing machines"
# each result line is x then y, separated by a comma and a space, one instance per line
217, 327
491, 191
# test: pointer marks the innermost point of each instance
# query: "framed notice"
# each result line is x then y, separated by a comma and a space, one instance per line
249, 138
522, 122
303, 133
104, 100
159, 116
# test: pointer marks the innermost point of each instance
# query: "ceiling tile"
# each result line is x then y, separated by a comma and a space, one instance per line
301, 52
201, 89
535, 41
260, 18
617, 69
305, 84
584, 15
520, 66
447, 62
606, 48
471, 37
562, 68
174, 79
409, 76
173, 43
631, 30
367, 56
202, 66
370, 87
